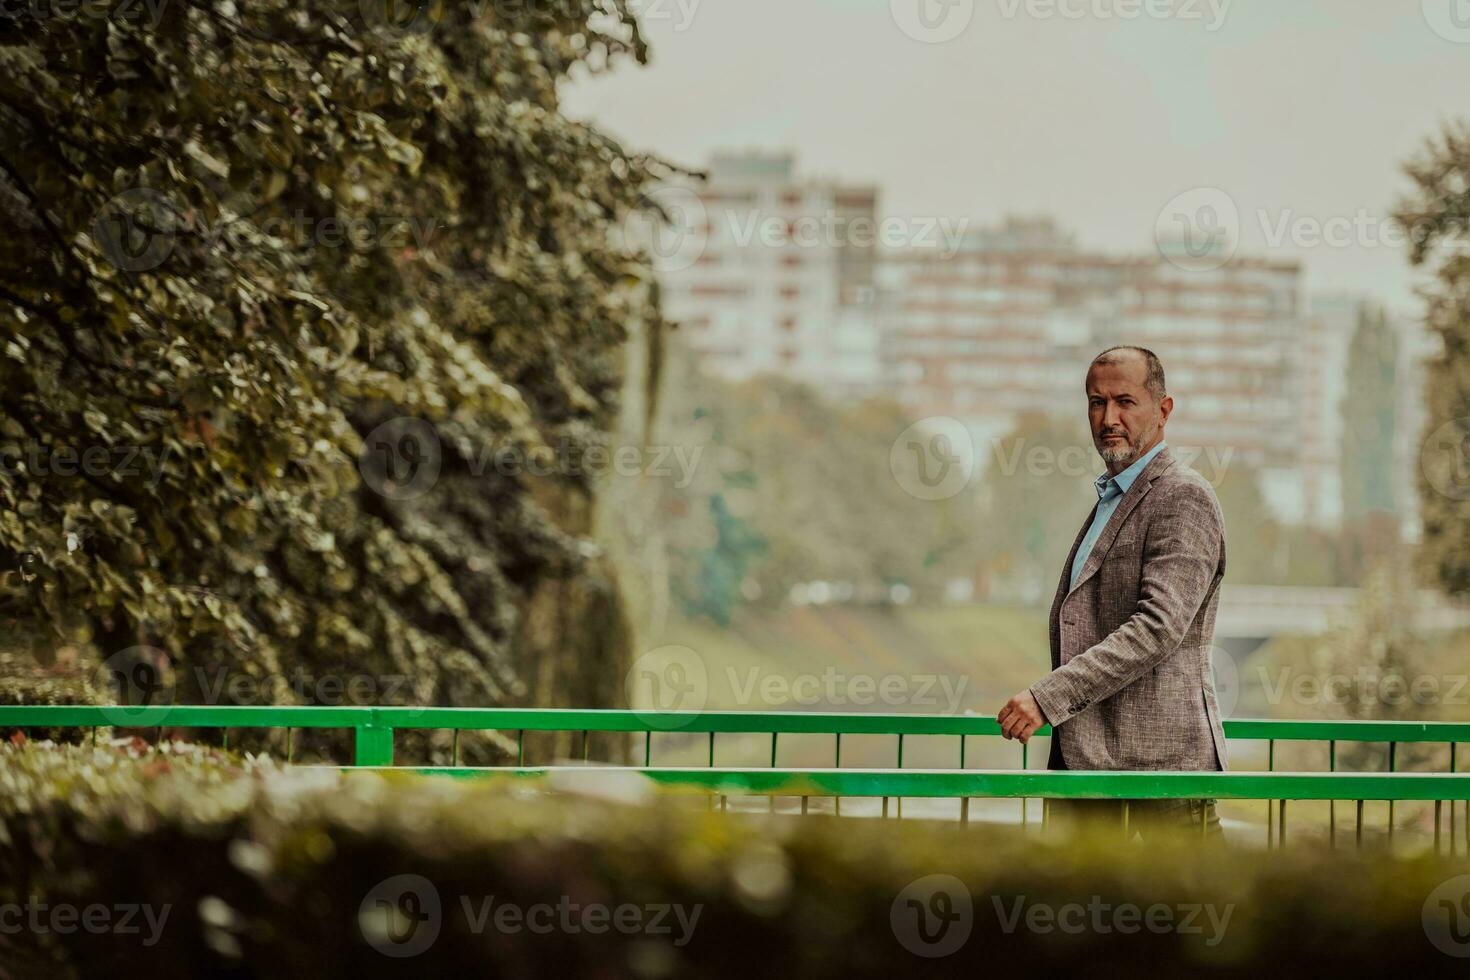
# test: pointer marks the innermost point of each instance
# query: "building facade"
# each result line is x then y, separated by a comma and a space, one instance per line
774, 274
1008, 324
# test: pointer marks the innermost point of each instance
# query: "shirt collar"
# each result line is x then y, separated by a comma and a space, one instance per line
1125, 479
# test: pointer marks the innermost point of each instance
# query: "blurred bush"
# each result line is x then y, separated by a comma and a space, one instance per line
271, 872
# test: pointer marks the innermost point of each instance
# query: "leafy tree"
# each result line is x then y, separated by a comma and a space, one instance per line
316, 264
1368, 417
721, 570
784, 487
1436, 214
1035, 494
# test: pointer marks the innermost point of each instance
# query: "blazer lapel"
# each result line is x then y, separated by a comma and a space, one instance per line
1062, 586
1130, 500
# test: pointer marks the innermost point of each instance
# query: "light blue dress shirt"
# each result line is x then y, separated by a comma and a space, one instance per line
1110, 490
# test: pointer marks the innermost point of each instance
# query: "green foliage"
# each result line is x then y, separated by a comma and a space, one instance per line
266, 873
1037, 498
242, 238
1436, 214
722, 569
1368, 415
1036, 494
789, 488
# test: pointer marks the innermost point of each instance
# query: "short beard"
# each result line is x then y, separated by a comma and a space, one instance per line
1127, 454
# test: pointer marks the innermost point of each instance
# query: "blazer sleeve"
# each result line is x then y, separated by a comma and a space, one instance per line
1181, 553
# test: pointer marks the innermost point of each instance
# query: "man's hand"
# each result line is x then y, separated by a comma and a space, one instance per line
1020, 717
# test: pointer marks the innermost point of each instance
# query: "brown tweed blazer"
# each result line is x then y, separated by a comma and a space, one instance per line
1131, 684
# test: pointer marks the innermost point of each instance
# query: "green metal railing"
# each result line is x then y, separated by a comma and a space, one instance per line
374, 726
373, 731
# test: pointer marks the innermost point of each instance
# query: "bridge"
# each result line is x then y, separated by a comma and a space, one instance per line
1249, 615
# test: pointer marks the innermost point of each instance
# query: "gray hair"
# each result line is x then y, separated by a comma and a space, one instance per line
1154, 376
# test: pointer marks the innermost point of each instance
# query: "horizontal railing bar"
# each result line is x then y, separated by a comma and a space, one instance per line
609, 720
1000, 784
1348, 731
186, 715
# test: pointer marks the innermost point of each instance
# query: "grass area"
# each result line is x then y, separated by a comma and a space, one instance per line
821, 658
950, 660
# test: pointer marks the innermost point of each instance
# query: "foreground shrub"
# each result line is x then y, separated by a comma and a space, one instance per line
238, 867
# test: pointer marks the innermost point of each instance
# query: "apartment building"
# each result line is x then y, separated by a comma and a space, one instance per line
1009, 323
773, 273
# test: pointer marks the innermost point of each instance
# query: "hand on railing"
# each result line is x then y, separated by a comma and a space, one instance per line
1021, 717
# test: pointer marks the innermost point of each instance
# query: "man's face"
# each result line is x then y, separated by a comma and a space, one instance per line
1126, 421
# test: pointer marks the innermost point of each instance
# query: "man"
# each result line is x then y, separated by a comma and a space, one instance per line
1134, 614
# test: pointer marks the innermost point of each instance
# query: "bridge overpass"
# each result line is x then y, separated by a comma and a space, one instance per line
1249, 615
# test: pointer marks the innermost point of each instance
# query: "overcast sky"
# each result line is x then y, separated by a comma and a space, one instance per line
1301, 111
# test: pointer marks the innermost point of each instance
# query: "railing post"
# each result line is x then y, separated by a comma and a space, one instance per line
712, 765
773, 765
900, 765
1025, 764
373, 745
1332, 804
836, 764
1392, 767
1270, 804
